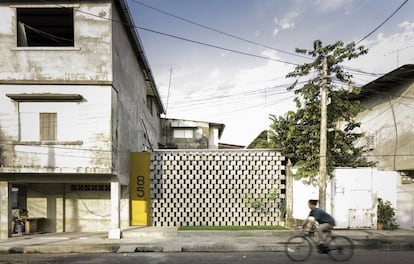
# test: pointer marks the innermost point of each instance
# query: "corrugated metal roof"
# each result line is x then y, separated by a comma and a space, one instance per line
385, 83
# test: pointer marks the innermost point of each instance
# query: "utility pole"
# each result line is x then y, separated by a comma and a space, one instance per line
169, 88
324, 135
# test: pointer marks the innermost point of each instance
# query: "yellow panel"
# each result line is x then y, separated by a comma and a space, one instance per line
140, 188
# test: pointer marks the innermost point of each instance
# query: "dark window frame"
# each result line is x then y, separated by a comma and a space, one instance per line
45, 27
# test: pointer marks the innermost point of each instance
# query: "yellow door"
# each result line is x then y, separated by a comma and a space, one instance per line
140, 188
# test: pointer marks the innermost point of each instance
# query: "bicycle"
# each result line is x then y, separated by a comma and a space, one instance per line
299, 247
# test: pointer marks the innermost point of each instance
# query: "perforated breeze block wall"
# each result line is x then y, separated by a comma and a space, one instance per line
206, 188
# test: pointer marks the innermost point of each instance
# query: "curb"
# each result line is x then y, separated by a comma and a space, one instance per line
186, 247
50, 249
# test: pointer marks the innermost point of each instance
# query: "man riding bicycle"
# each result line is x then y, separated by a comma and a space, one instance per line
325, 221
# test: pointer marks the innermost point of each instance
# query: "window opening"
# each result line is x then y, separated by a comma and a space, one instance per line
183, 133
48, 126
45, 27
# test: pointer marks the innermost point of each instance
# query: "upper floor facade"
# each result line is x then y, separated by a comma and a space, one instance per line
76, 90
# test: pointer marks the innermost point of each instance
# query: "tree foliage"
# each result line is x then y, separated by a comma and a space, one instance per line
298, 132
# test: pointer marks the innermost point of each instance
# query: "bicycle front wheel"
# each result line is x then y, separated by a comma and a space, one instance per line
341, 248
298, 248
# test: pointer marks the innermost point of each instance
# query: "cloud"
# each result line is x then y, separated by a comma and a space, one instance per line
285, 23
331, 5
406, 25
385, 53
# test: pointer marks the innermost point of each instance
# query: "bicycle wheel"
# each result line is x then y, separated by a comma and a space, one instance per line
298, 248
341, 248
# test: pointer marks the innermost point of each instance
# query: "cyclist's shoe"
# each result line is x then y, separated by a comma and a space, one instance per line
322, 249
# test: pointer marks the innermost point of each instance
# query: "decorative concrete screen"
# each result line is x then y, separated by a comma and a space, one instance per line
217, 188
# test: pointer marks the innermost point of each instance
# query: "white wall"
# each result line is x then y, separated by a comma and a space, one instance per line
83, 143
405, 205
355, 193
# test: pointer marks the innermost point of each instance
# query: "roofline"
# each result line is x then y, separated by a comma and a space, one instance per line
397, 76
125, 13
220, 125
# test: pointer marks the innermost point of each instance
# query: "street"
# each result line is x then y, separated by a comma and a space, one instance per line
366, 257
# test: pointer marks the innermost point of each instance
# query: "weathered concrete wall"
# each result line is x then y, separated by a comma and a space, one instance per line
388, 120
69, 207
83, 131
90, 60
217, 188
5, 209
135, 129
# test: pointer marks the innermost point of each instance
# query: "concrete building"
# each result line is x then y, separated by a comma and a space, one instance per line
389, 130
189, 134
76, 97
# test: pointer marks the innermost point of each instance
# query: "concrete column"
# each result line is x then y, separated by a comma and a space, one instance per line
115, 231
289, 194
5, 209
213, 138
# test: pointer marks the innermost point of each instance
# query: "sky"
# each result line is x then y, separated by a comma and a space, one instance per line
240, 81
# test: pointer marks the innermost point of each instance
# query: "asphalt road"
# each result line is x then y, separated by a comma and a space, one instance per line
366, 257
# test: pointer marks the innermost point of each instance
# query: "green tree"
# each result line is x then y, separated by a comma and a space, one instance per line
297, 133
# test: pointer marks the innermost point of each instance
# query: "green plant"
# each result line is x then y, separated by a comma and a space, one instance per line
272, 195
386, 214
255, 203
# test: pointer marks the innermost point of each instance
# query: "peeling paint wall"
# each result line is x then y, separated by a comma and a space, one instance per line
67, 209
389, 120
89, 60
83, 131
94, 135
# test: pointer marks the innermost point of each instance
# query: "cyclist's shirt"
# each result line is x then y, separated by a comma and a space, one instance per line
321, 216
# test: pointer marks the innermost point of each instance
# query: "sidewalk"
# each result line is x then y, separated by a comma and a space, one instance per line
169, 239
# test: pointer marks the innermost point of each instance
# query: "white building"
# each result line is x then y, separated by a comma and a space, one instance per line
76, 97
190, 134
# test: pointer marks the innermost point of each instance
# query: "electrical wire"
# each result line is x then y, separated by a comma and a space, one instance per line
215, 46
385, 21
182, 38
194, 41
219, 31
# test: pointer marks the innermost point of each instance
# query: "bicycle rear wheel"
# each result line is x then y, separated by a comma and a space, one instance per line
298, 248
341, 248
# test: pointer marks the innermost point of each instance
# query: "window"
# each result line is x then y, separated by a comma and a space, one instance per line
183, 133
48, 126
45, 27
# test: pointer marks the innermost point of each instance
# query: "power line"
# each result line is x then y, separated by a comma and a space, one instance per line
218, 31
385, 21
199, 42
215, 46
181, 38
